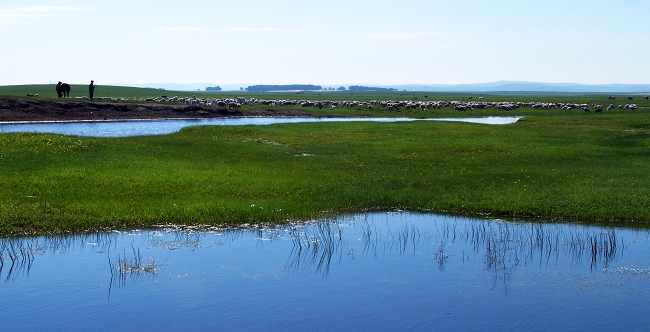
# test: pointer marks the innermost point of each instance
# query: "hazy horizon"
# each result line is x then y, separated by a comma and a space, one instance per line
363, 42
487, 87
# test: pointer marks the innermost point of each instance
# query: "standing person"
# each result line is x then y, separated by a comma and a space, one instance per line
91, 89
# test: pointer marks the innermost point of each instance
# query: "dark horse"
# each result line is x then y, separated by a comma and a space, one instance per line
63, 89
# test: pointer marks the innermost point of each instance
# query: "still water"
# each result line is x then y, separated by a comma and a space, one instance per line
379, 271
161, 127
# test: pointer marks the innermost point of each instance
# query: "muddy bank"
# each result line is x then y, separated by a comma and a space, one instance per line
37, 109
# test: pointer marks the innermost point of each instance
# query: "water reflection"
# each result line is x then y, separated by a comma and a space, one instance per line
386, 271
315, 246
17, 255
500, 246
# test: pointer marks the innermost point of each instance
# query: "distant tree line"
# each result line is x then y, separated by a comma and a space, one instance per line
368, 88
213, 88
264, 88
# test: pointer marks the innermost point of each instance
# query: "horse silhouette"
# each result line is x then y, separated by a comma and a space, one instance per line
63, 89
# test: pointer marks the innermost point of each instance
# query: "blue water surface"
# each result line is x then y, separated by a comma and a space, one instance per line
161, 127
369, 272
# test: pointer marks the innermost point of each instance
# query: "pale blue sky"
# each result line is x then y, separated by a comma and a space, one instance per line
325, 42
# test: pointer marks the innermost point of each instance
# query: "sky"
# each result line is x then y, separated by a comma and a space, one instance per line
326, 42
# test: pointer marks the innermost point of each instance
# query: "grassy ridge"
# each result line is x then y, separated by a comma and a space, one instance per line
556, 166
79, 90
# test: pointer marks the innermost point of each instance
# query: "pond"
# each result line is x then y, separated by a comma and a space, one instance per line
161, 127
376, 271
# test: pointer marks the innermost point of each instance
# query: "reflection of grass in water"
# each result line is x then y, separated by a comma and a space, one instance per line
403, 235
503, 246
18, 254
316, 245
441, 256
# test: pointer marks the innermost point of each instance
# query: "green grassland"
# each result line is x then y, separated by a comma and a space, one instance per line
77, 90
553, 165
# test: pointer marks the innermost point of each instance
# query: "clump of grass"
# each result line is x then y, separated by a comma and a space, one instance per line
134, 266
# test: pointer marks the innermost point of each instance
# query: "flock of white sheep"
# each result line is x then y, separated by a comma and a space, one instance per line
237, 102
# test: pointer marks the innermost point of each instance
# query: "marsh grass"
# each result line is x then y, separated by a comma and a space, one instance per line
134, 264
132, 267
557, 166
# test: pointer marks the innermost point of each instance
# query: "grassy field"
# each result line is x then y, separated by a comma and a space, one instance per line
553, 165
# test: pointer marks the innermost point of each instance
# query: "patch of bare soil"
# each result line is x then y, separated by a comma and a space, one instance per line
14, 109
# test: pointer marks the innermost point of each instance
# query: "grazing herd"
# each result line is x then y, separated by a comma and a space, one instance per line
390, 105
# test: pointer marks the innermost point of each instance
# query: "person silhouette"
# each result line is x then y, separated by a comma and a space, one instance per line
91, 89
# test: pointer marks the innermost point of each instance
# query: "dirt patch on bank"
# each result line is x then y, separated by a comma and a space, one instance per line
14, 109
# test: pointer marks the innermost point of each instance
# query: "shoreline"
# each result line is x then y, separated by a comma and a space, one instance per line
143, 120
15, 110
